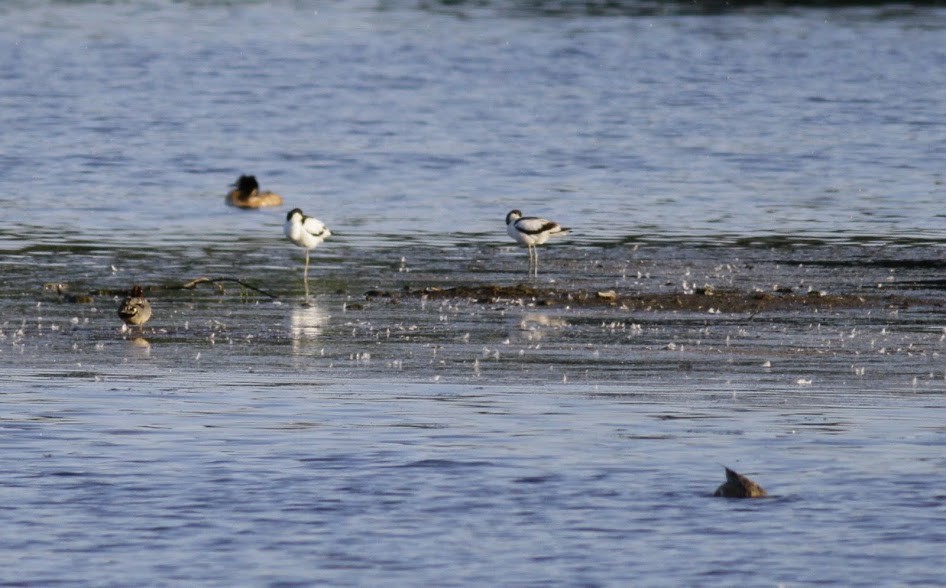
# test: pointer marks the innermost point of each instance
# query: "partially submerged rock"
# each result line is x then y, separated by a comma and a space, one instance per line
739, 486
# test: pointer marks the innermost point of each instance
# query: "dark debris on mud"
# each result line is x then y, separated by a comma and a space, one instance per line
699, 300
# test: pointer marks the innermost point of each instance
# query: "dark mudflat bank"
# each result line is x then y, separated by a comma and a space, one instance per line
701, 299
715, 319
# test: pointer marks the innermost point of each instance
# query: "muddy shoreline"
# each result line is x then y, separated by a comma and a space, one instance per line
700, 299
711, 320
697, 300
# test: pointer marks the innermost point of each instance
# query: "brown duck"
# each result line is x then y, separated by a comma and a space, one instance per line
246, 194
135, 310
739, 486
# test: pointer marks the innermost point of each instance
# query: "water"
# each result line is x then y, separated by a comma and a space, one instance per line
263, 482
818, 123
761, 188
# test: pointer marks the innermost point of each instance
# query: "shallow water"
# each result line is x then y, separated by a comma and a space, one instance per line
396, 439
396, 123
396, 431
280, 480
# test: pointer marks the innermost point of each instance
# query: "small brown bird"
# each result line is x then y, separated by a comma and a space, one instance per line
135, 309
246, 194
739, 486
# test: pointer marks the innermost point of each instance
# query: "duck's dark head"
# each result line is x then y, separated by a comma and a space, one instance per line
247, 184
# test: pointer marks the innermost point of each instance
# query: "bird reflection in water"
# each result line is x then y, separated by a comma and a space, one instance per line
306, 324
140, 348
533, 326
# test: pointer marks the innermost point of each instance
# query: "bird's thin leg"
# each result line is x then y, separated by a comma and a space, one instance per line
535, 271
529, 249
305, 275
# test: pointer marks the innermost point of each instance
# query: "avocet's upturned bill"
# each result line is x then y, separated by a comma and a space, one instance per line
529, 231
307, 232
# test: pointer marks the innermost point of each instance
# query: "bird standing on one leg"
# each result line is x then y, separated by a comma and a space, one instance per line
530, 231
306, 232
135, 310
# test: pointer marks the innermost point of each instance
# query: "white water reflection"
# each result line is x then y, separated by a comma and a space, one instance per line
306, 325
533, 326
139, 348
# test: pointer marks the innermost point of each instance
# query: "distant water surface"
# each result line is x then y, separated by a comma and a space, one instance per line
385, 436
126, 121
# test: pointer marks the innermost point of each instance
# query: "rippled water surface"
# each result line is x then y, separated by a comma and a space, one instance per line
754, 279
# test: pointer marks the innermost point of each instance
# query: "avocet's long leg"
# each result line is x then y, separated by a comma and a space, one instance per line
305, 275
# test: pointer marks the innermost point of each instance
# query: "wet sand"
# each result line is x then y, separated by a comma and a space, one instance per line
813, 320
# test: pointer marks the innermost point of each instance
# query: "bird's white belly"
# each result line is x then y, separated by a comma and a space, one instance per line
303, 238
525, 239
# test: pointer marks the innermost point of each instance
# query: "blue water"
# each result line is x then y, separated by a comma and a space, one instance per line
403, 123
396, 440
182, 481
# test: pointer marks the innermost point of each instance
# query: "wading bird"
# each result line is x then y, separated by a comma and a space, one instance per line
135, 310
246, 194
529, 231
306, 232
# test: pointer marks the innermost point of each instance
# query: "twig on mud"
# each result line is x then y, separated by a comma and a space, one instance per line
205, 280
64, 290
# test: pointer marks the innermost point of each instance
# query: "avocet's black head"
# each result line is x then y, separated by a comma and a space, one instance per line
293, 212
513, 216
247, 184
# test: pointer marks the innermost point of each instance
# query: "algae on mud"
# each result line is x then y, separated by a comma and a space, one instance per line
701, 300
723, 319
